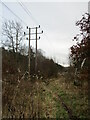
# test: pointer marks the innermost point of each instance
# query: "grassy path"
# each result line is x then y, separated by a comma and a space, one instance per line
66, 95
58, 99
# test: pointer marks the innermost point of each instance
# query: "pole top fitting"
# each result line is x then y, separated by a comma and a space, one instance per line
27, 27
24, 33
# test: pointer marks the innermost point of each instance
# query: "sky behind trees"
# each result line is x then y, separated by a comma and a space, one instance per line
57, 20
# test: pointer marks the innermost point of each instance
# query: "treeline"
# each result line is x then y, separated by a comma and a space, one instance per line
15, 63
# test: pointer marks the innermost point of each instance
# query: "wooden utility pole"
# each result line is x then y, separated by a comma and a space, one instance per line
29, 53
29, 49
12, 44
16, 40
36, 46
36, 54
36, 49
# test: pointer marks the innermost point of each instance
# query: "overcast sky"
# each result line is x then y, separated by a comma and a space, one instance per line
57, 20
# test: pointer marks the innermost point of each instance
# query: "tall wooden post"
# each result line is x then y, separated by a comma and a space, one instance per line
36, 54
29, 53
16, 40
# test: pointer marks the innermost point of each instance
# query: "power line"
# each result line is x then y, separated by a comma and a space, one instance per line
12, 12
23, 8
28, 12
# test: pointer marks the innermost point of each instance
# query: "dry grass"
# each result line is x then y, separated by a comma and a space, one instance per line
39, 99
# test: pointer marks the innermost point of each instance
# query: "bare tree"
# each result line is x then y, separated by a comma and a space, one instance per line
17, 26
12, 35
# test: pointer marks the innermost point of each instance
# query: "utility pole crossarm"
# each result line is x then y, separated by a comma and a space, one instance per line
33, 33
